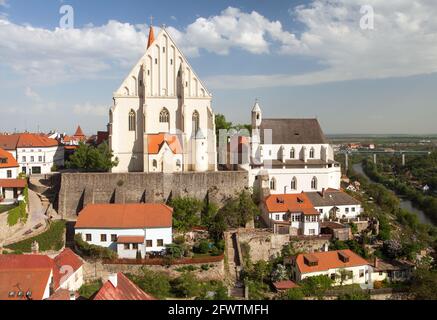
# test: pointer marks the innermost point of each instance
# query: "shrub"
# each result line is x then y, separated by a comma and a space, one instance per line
88, 289
202, 247
186, 286
153, 282
179, 240
52, 239
205, 267
93, 251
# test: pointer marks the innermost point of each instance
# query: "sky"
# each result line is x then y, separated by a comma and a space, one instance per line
300, 58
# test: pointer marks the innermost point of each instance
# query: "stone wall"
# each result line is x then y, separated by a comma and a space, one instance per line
265, 245
79, 189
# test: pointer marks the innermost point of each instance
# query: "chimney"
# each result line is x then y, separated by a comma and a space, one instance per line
113, 279
376, 262
35, 247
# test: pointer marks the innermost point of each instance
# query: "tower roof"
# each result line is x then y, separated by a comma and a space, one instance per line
79, 132
256, 107
151, 36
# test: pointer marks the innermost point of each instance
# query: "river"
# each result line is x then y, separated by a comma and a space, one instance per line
405, 203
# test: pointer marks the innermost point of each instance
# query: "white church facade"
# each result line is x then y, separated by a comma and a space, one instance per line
161, 119
293, 153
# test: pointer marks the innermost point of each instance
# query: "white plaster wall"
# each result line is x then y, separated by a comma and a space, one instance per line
354, 280
324, 215
74, 281
4, 173
42, 157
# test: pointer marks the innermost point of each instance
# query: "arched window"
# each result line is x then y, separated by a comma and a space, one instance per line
126, 91
195, 121
292, 153
164, 116
312, 151
273, 184
178, 163
314, 183
155, 164
132, 120
294, 183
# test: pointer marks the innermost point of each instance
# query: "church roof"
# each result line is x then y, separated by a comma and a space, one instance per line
293, 131
256, 107
155, 142
151, 37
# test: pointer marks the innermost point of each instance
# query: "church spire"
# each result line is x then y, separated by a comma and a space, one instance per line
151, 34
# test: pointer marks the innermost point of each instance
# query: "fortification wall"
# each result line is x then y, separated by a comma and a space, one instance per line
80, 189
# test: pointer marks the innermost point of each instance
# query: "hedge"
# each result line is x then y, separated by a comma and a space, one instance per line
93, 251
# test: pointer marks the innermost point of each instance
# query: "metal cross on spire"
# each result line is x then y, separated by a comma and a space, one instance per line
151, 20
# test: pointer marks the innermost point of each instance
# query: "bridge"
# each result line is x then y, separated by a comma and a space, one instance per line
402, 153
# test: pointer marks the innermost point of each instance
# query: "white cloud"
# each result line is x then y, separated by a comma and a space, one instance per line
232, 29
50, 56
403, 43
88, 109
4, 3
30, 93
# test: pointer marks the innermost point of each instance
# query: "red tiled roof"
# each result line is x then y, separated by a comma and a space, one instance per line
13, 183
66, 261
26, 140
125, 216
285, 285
79, 132
24, 273
155, 142
329, 260
10, 160
62, 294
130, 239
125, 290
290, 203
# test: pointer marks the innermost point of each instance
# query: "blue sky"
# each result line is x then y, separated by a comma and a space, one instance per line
300, 58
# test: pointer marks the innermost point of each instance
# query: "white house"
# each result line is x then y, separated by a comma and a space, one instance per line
335, 204
294, 153
291, 214
35, 153
128, 229
335, 264
162, 99
10, 186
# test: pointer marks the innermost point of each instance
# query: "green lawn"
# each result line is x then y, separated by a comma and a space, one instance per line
52, 239
88, 289
17, 214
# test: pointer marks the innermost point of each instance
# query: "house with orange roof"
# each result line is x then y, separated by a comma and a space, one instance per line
119, 287
128, 229
37, 277
291, 214
35, 153
344, 267
10, 186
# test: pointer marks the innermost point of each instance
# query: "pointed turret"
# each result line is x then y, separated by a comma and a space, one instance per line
151, 36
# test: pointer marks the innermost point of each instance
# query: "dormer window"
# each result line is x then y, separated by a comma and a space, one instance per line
312, 152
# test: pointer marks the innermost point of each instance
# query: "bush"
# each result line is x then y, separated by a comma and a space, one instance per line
52, 239
186, 286
93, 251
202, 247
153, 282
205, 267
179, 240
293, 294
89, 289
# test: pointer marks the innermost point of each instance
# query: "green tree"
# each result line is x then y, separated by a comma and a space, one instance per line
221, 123
186, 213
92, 159
155, 283
316, 286
423, 284
293, 294
186, 286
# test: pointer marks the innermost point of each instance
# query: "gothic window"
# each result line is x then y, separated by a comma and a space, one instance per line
312, 151
273, 184
294, 183
292, 153
132, 120
126, 91
178, 163
195, 121
164, 116
314, 183
155, 164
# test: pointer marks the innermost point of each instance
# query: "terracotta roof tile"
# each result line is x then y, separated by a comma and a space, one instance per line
13, 183
155, 142
329, 260
130, 239
146, 215
7, 160
125, 290
293, 203
285, 285
26, 140
66, 259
